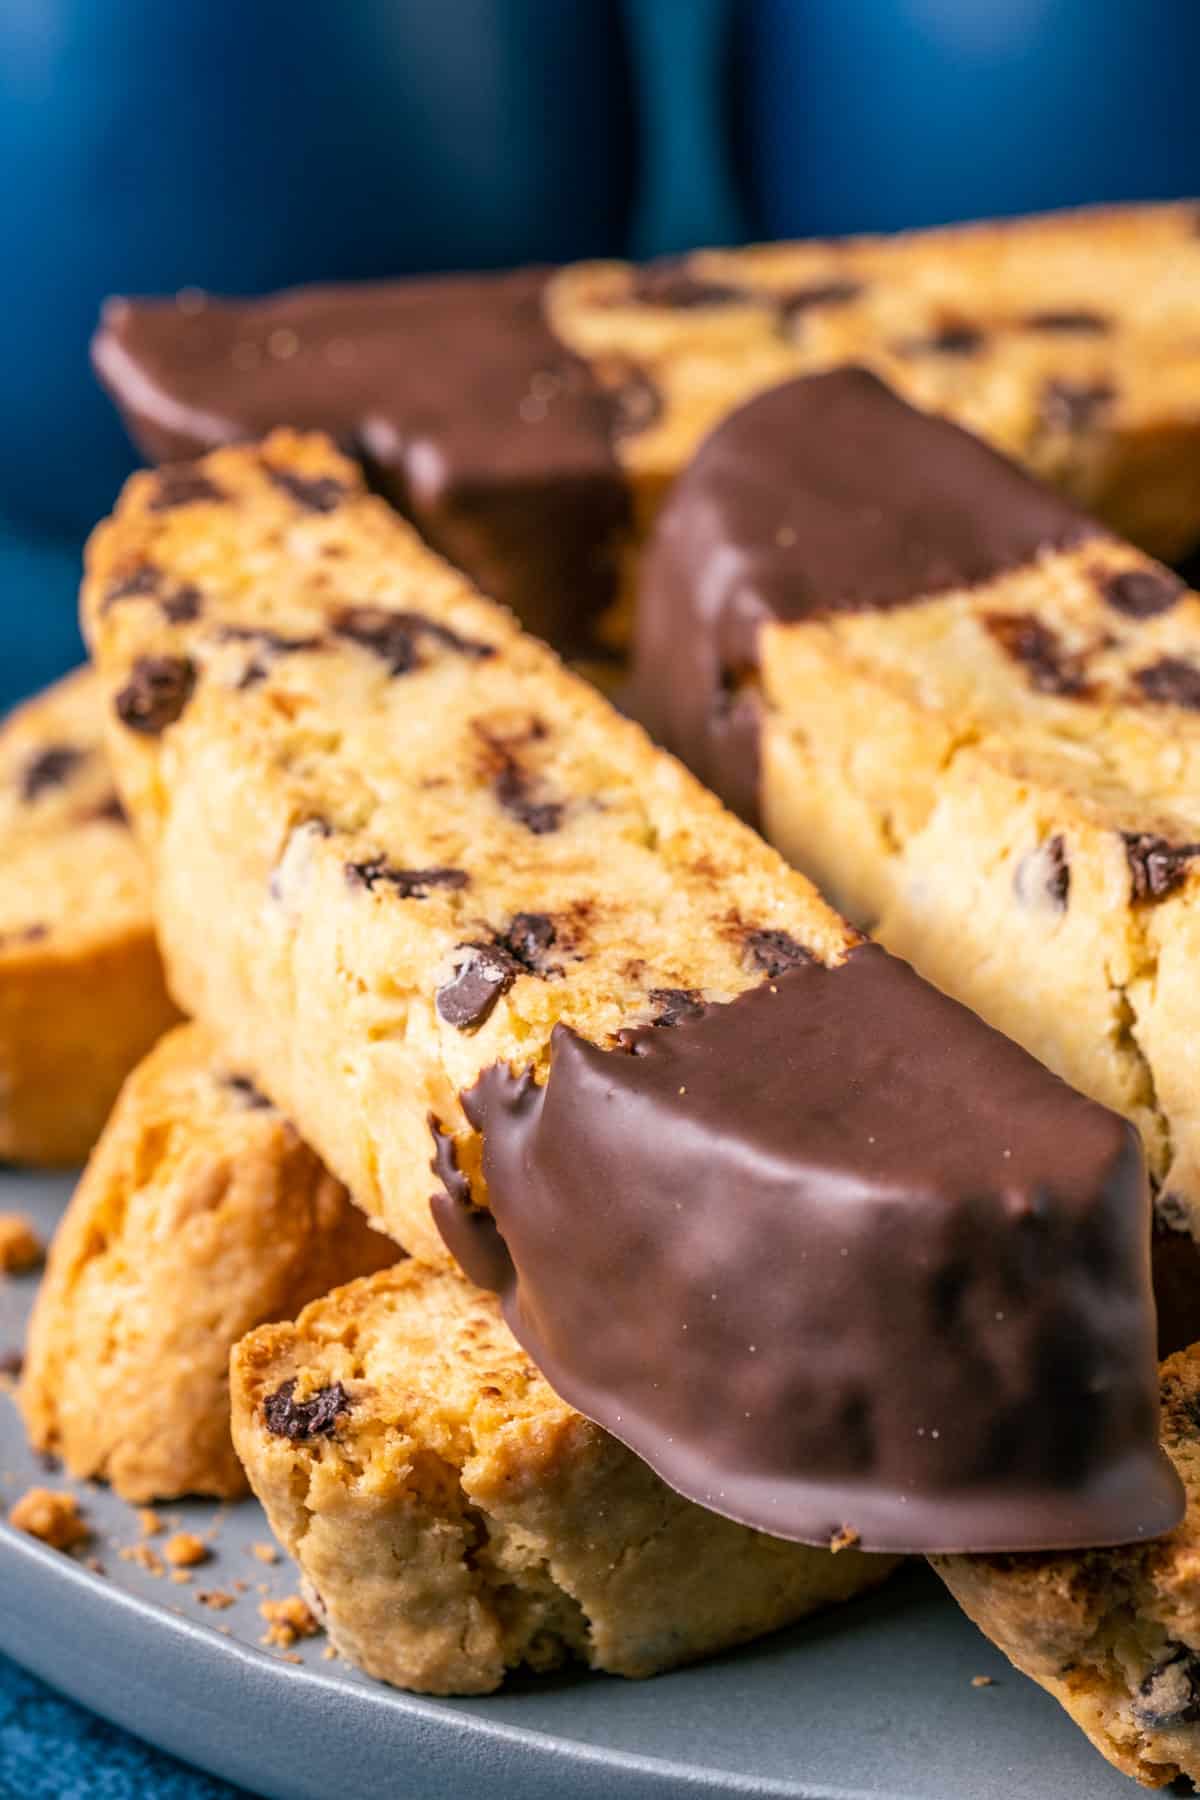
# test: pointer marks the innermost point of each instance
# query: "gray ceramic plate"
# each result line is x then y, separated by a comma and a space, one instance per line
873, 1700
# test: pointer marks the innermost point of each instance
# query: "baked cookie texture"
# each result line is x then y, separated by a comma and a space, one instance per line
530, 424
485, 944
200, 1215
1113, 1635
972, 715
454, 1519
82, 994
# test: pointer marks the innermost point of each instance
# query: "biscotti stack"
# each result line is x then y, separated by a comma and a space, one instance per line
717, 1257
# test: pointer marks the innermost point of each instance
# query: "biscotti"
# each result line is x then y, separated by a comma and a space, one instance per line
973, 717
748, 1187
529, 424
200, 1215
454, 1519
81, 985
1113, 1635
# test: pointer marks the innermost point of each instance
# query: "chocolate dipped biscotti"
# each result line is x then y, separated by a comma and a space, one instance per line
201, 1214
454, 1519
972, 715
530, 423
82, 995
1113, 1635
827, 1252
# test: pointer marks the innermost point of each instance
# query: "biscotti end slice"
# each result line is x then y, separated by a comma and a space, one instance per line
82, 995
1113, 1635
454, 1519
200, 1215
531, 423
447, 908
973, 716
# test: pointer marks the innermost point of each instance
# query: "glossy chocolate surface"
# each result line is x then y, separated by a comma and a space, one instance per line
470, 414
826, 494
835, 1256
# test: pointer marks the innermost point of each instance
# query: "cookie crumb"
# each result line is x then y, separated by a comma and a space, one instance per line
983, 1681
149, 1521
287, 1621
53, 1517
185, 1550
181, 1576
145, 1556
21, 1248
266, 1553
216, 1599
845, 1539
96, 1566
329, 1654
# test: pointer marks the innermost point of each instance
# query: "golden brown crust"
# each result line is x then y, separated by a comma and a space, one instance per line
314, 747
454, 1519
1114, 1635
81, 985
1067, 340
1000, 784
200, 1215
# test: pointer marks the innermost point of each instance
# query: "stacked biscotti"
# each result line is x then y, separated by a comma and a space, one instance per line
530, 424
446, 907
758, 1237
973, 718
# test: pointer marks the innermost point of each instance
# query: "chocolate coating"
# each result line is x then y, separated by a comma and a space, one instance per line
827, 494
475, 421
835, 1255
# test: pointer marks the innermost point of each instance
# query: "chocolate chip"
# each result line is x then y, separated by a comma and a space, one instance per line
301, 1420
50, 768
1141, 593
1091, 324
11, 1364
671, 283
1051, 668
511, 788
1171, 681
527, 939
141, 585
158, 689
1074, 406
315, 493
951, 339
395, 636
445, 1165
636, 403
775, 952
1045, 874
1156, 866
184, 605
1169, 1696
182, 484
28, 934
109, 812
251, 1097
469, 997
409, 884
818, 295
673, 1005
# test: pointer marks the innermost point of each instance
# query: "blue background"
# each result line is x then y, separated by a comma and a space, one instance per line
244, 144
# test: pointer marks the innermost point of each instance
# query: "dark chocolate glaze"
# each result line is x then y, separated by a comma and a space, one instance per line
826, 494
1175, 1260
473, 418
835, 1255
